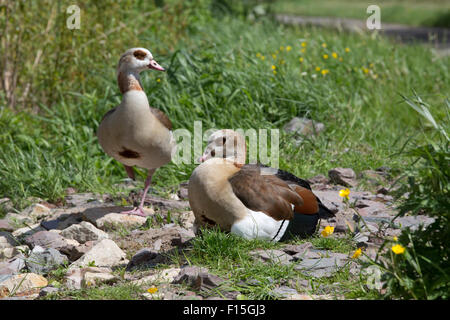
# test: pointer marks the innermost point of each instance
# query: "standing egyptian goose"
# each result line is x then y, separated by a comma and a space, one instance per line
134, 133
252, 201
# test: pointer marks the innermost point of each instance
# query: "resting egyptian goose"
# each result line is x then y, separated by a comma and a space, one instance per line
134, 133
251, 200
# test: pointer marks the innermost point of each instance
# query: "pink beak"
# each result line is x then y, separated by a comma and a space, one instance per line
154, 65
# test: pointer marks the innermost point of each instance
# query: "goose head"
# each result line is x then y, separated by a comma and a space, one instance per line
138, 59
226, 144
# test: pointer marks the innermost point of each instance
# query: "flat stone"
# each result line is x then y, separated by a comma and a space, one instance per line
79, 199
95, 278
75, 278
18, 219
343, 176
46, 239
275, 256
108, 217
299, 248
7, 240
161, 276
12, 266
5, 225
413, 222
42, 261
283, 292
318, 268
105, 253
27, 231
22, 284
83, 232
36, 211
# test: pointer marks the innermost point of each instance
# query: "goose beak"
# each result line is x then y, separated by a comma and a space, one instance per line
201, 159
154, 65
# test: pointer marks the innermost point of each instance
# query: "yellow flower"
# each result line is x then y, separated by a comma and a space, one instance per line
274, 56
357, 253
274, 72
365, 70
327, 231
325, 71
288, 48
395, 239
317, 69
152, 290
371, 65
263, 57
347, 49
258, 55
344, 193
303, 50
324, 45
334, 55
158, 80
300, 59
273, 67
325, 56
398, 249
303, 44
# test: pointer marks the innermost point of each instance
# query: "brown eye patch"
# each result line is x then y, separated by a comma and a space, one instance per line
139, 54
224, 140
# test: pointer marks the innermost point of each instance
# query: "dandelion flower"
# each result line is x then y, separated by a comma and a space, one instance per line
365, 70
398, 249
357, 253
152, 290
263, 58
344, 193
317, 69
324, 45
258, 55
347, 49
325, 71
328, 230
158, 80
300, 59
371, 65
325, 56
274, 56
334, 55
395, 239
303, 44
273, 67
288, 48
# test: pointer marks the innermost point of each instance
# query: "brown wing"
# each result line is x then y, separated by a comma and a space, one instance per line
162, 117
310, 204
265, 193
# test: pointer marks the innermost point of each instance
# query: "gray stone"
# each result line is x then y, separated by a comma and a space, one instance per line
42, 261
83, 232
80, 199
74, 252
27, 231
283, 292
343, 176
109, 217
5, 225
144, 258
7, 240
46, 239
47, 290
105, 253
413, 222
12, 266
299, 248
36, 211
322, 267
76, 279
274, 256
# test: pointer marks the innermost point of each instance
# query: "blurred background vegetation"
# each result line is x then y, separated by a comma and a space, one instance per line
220, 57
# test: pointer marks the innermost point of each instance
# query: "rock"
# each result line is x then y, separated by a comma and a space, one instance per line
299, 248
27, 231
299, 297
80, 199
183, 193
283, 292
76, 279
12, 266
304, 127
105, 253
319, 179
18, 219
166, 203
36, 211
318, 268
42, 261
413, 222
187, 219
109, 217
343, 176
161, 276
6, 205
144, 258
47, 290
46, 239
5, 225
198, 278
7, 240
22, 284
83, 232
74, 252
274, 256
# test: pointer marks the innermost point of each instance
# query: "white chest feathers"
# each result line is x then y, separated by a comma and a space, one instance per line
258, 225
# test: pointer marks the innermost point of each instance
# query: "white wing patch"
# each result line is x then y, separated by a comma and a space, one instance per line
258, 225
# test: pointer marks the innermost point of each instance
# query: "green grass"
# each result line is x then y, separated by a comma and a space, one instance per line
434, 13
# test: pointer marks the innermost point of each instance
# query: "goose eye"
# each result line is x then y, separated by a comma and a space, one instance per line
213, 153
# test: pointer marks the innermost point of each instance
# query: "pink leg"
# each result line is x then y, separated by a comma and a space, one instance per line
140, 210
